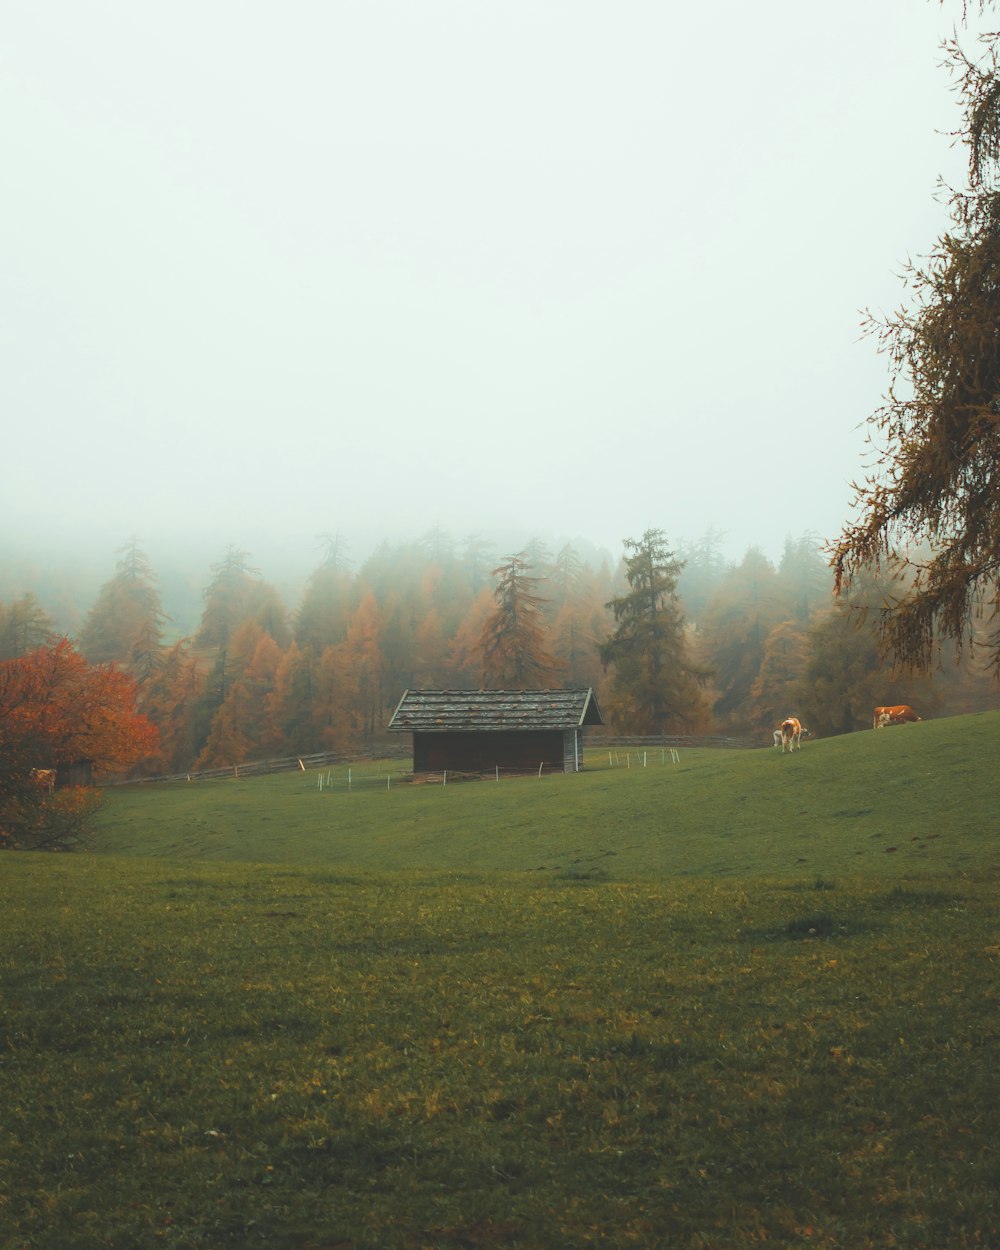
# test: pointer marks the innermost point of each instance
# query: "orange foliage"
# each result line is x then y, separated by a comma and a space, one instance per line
56, 710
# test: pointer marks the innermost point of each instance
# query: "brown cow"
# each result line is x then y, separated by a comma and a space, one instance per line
901, 714
791, 734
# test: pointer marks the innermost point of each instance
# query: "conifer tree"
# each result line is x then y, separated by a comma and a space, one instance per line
24, 626
228, 598
465, 649
125, 624
936, 439
514, 642
654, 686
735, 625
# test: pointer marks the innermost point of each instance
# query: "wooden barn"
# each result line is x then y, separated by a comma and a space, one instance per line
482, 730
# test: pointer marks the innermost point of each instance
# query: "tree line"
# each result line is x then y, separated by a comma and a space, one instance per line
672, 640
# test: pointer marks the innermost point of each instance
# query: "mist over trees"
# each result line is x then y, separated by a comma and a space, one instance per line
674, 638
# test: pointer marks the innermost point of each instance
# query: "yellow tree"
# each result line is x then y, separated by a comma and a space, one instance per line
351, 698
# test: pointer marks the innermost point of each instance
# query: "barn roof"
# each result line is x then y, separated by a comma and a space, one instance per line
451, 711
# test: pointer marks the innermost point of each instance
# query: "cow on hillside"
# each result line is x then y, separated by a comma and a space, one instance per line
901, 714
791, 734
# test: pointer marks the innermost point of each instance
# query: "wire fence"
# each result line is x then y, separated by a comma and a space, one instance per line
349, 772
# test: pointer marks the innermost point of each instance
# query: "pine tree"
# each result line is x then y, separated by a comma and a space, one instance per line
654, 686
515, 651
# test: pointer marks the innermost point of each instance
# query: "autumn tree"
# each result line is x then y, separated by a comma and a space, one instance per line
326, 606
125, 624
514, 643
290, 705
775, 690
465, 648
241, 729
846, 673
735, 624
56, 711
805, 583
24, 626
228, 598
357, 669
936, 439
172, 700
703, 566
655, 686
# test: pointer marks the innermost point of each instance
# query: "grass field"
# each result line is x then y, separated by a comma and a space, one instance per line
739, 1000
920, 798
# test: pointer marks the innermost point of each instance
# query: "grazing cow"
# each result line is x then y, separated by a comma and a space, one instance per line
898, 715
44, 778
791, 734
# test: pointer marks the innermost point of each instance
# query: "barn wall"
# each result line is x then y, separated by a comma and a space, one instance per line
483, 752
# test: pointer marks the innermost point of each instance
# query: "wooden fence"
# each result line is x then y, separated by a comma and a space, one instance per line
254, 768
595, 744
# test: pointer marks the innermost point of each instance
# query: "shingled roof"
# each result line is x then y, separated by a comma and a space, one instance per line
465, 711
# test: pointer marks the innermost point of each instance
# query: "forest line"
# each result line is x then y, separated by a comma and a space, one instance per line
672, 641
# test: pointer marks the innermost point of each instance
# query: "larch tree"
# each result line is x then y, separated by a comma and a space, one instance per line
655, 686
936, 438
24, 626
326, 604
125, 624
514, 639
465, 649
775, 690
228, 598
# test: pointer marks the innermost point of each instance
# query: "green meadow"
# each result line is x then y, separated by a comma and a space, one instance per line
735, 1000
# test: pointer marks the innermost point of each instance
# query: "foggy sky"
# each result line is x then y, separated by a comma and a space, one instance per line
532, 266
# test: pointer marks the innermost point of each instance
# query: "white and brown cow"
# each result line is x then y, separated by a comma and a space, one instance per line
791, 734
900, 714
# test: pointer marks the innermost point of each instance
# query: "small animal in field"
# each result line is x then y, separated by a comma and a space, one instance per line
901, 714
791, 734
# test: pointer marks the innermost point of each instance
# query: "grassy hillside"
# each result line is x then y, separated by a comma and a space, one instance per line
739, 1000
915, 798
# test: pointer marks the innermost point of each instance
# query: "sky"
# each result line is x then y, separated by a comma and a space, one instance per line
530, 268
